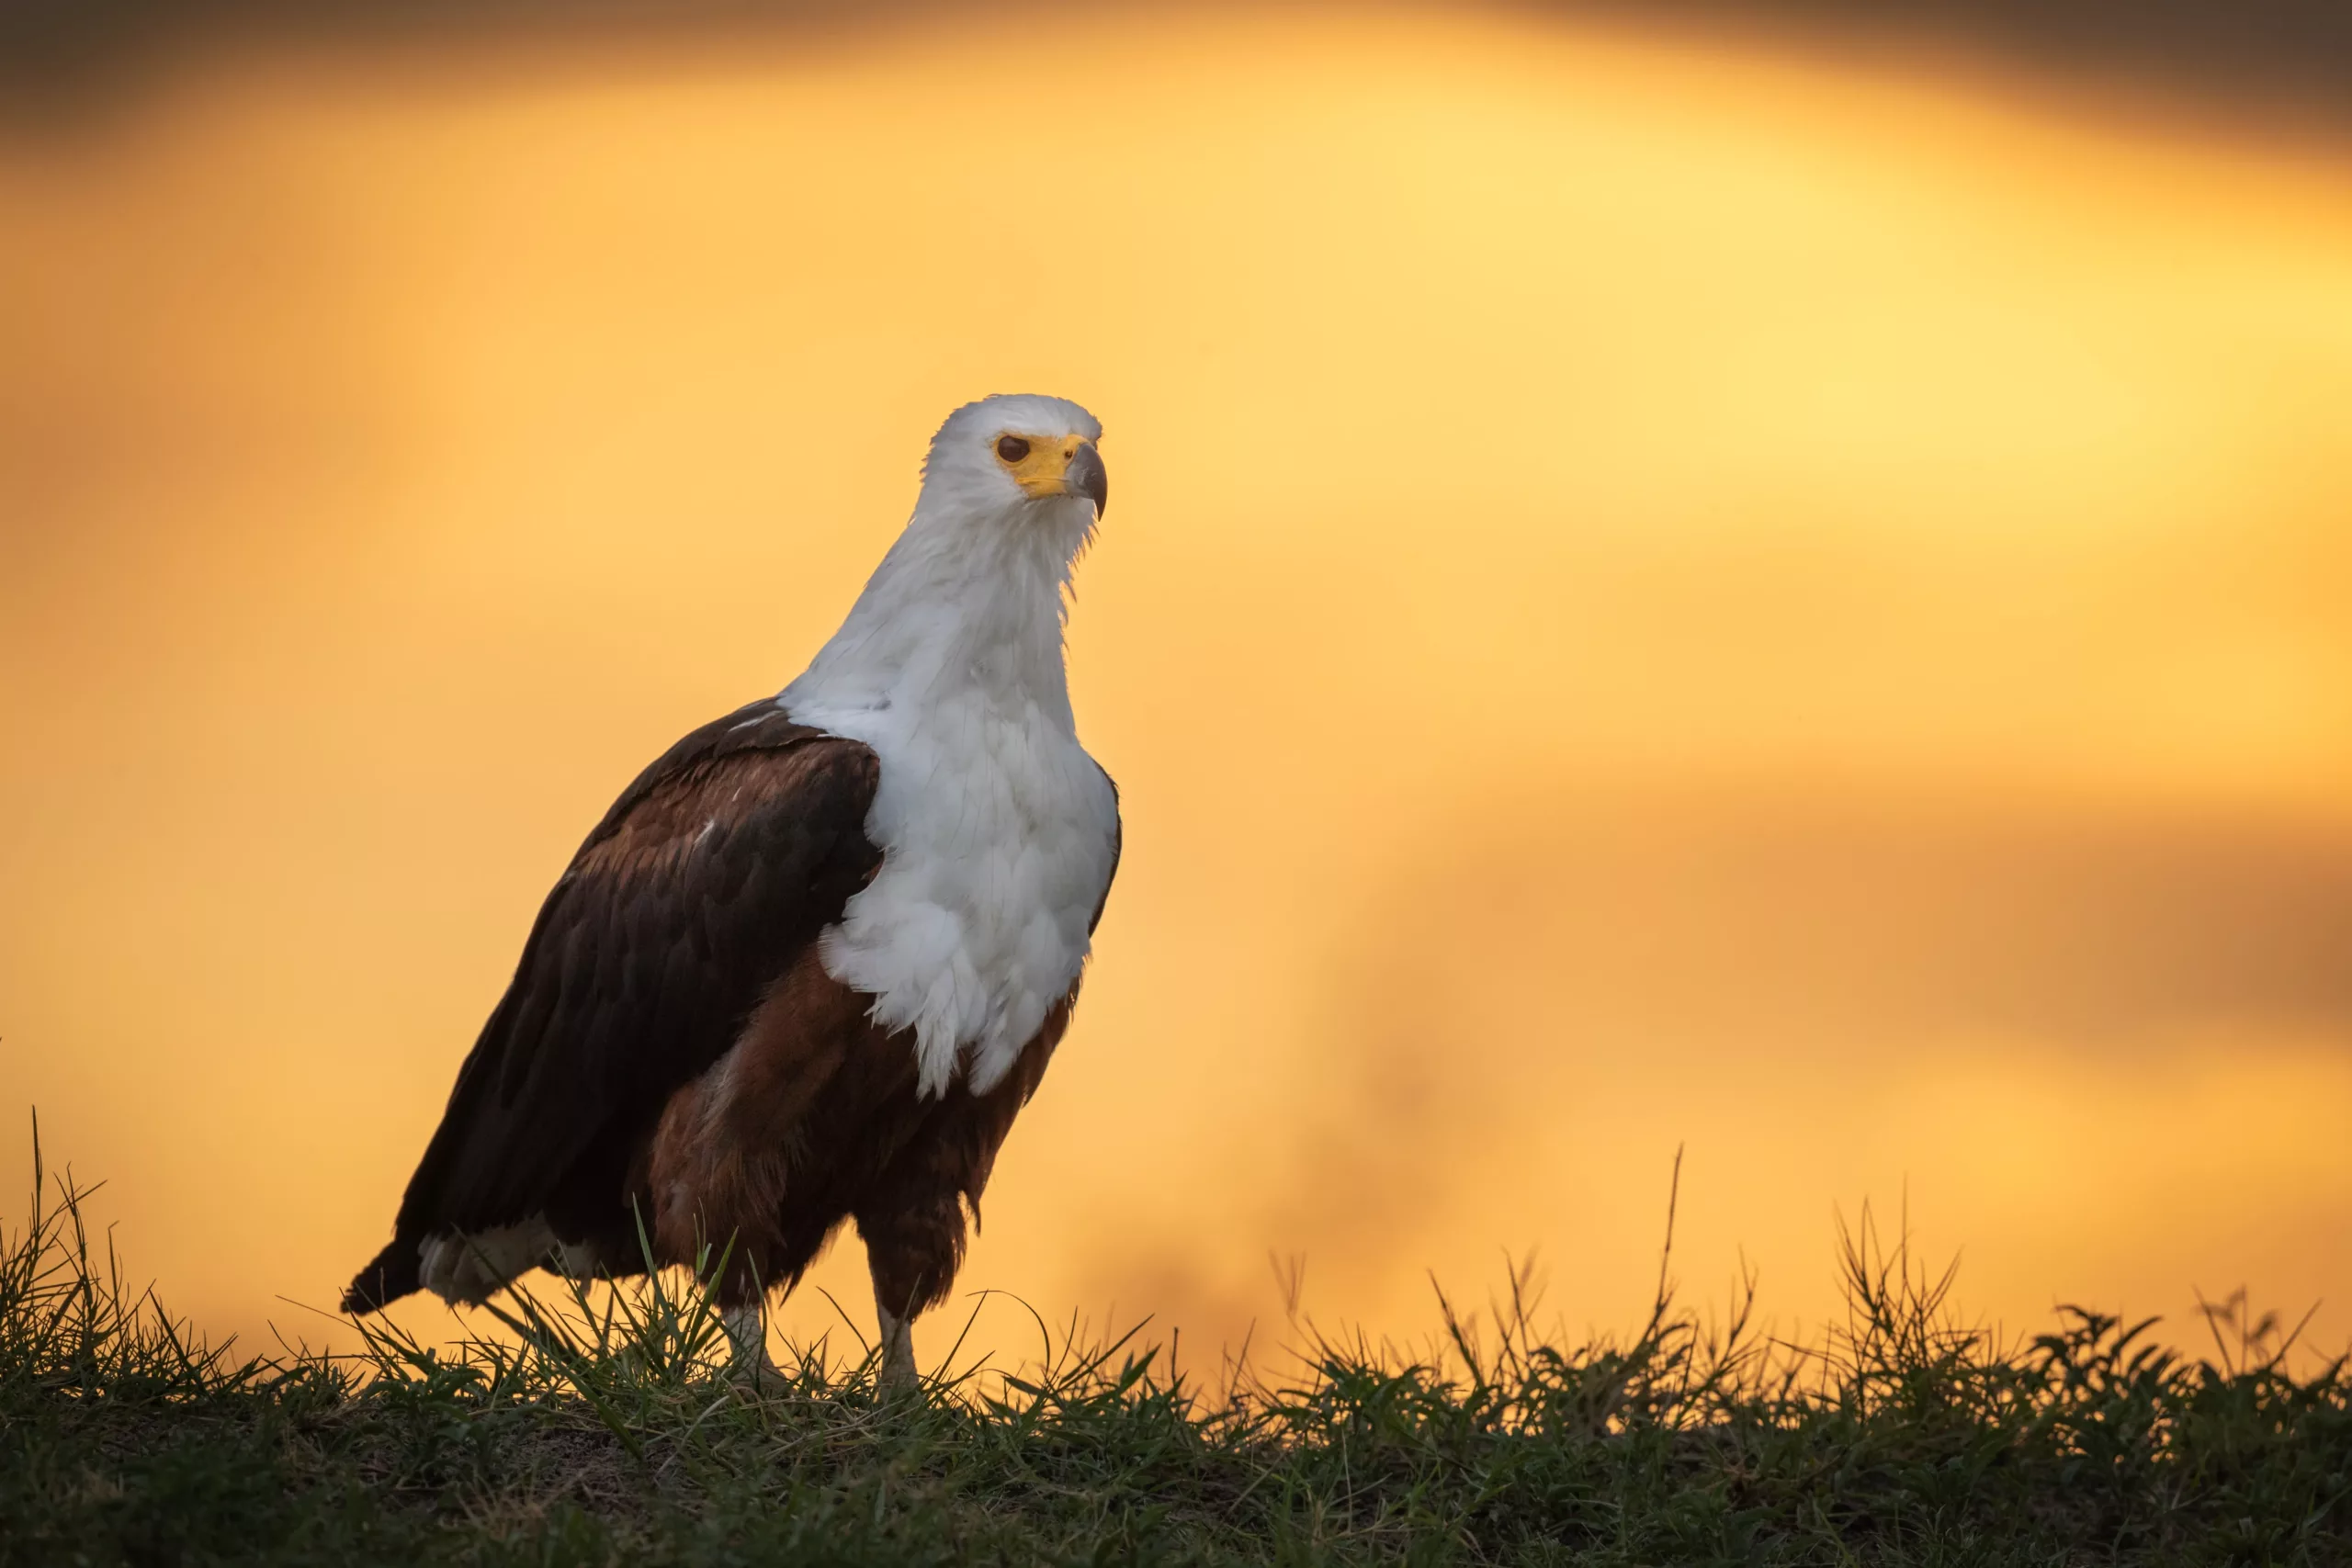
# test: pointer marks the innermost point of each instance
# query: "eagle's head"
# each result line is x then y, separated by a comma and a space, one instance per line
1021, 460
975, 587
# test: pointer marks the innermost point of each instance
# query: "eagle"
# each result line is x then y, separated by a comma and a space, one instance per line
813, 962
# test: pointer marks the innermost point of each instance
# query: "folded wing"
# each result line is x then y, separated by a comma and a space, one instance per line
710, 875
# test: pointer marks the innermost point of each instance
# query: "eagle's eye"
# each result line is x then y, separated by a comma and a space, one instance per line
1012, 448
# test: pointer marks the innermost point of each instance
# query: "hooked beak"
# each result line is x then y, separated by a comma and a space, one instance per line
1085, 476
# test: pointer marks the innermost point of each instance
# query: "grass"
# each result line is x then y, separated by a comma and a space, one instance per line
604, 1427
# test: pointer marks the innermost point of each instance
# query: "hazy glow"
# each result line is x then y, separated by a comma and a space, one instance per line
1654, 596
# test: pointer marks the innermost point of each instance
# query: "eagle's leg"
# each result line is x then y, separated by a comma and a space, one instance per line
914, 1242
747, 1330
898, 1373
913, 1219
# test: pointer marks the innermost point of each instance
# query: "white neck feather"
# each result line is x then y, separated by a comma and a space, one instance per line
958, 603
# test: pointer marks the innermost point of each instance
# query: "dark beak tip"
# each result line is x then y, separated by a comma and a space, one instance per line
1088, 479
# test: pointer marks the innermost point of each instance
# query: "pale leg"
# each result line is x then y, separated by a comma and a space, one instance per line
898, 1375
746, 1326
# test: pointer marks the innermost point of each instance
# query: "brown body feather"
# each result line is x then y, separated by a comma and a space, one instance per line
813, 1119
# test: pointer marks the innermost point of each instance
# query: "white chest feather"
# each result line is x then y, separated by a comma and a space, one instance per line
997, 835
997, 832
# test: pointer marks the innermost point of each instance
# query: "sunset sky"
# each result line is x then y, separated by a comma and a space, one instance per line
1661, 591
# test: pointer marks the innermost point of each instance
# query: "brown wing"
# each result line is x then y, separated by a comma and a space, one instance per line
703, 883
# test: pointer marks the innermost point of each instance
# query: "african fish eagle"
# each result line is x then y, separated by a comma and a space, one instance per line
814, 960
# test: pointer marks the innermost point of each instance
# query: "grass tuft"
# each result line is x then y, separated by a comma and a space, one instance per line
604, 1426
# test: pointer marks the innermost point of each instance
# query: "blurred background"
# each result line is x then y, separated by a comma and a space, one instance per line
1770, 582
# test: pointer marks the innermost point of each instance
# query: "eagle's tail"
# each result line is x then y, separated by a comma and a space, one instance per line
393, 1274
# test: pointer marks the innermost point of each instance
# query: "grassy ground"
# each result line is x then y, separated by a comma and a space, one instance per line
609, 1431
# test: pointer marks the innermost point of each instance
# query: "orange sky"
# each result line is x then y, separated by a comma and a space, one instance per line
1658, 595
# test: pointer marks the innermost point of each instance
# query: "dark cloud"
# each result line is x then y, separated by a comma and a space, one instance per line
2250, 53
2253, 53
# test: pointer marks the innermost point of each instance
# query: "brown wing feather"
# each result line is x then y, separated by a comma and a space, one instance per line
705, 882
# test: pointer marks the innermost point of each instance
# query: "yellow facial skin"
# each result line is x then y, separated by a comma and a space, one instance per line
1044, 470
